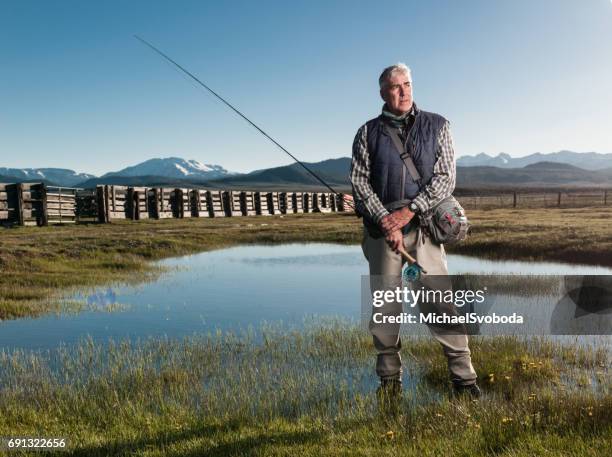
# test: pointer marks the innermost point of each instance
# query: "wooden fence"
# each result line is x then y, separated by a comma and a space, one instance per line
38, 204
566, 199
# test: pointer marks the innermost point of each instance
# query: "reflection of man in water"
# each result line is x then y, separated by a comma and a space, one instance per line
389, 199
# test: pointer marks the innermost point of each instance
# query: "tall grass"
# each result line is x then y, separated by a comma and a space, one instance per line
277, 391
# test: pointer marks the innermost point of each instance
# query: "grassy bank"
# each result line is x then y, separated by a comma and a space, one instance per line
37, 264
574, 235
306, 393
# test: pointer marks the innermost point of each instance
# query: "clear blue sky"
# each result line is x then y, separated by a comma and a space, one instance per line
78, 91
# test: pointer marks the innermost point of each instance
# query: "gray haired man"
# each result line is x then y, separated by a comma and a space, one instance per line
389, 198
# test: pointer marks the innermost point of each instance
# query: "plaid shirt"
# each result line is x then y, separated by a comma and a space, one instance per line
441, 185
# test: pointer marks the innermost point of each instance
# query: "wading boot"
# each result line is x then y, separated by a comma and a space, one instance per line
471, 390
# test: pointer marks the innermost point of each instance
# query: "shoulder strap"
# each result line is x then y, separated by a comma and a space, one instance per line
403, 153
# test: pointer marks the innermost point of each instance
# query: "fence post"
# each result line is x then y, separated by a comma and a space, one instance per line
514, 200
101, 204
44, 214
559, 199
19, 190
605, 197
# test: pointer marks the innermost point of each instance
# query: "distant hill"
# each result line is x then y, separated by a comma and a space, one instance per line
9, 179
585, 160
333, 171
14, 179
542, 174
51, 176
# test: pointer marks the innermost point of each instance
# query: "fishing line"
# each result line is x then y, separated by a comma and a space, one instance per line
229, 105
411, 273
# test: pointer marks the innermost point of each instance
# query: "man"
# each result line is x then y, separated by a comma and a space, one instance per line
390, 200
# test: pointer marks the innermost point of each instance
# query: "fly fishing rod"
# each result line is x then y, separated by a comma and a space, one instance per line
229, 105
412, 272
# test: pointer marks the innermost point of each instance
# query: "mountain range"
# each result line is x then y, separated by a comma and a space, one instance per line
173, 167
535, 175
585, 160
481, 171
62, 176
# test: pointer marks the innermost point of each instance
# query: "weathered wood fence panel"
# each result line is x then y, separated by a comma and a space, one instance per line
306, 205
231, 202
262, 204
247, 203
61, 205
297, 202
31, 204
8, 203
112, 202
160, 204
283, 202
333, 202
322, 202
215, 203
273, 202
199, 203
137, 203
180, 200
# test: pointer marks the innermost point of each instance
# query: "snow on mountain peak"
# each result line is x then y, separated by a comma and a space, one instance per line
199, 165
182, 169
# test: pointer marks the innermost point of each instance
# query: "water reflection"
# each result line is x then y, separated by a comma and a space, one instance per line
234, 288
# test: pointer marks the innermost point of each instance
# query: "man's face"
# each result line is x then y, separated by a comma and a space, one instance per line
397, 93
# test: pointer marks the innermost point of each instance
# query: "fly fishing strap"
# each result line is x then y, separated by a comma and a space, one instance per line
402, 150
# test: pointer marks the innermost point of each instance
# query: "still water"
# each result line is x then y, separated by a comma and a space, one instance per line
233, 289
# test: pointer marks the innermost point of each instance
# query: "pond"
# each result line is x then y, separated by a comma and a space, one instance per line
233, 289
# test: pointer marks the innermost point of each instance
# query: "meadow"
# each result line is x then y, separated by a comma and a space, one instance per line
275, 391
307, 392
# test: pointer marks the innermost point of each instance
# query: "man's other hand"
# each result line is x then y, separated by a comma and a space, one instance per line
394, 240
396, 220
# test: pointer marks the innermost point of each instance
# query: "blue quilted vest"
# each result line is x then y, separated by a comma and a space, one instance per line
387, 170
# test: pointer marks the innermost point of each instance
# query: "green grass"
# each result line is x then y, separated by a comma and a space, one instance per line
574, 235
309, 392
40, 264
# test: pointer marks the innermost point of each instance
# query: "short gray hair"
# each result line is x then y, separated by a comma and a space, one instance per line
388, 72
